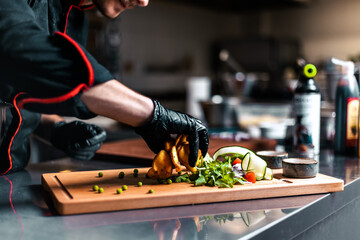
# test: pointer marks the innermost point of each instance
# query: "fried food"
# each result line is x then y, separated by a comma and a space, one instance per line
175, 153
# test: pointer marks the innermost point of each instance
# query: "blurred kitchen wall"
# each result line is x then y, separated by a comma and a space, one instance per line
163, 45
326, 28
157, 48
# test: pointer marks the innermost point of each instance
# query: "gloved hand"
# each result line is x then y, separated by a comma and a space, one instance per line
166, 122
77, 139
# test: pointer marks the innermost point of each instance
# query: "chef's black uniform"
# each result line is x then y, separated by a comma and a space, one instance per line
44, 68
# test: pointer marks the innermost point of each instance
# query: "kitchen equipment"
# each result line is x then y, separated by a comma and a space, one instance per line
258, 55
72, 192
273, 158
136, 151
327, 127
300, 168
197, 89
347, 110
331, 83
274, 130
221, 112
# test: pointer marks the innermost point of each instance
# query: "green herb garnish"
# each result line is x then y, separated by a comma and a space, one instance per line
213, 173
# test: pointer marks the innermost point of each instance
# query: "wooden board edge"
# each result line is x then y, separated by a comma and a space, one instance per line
56, 194
65, 206
191, 199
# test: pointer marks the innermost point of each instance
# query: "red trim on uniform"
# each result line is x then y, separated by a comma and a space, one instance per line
88, 7
73, 92
79, 8
83, 55
67, 16
62, 98
12, 139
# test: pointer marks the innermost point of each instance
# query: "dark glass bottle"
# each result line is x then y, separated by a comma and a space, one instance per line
347, 111
307, 101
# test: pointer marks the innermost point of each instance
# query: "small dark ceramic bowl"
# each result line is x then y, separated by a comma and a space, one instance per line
300, 167
273, 158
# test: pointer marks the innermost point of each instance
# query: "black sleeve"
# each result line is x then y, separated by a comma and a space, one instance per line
52, 69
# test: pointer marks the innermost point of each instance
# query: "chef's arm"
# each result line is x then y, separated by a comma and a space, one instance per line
114, 100
151, 120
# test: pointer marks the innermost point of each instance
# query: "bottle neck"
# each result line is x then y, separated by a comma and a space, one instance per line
307, 85
348, 80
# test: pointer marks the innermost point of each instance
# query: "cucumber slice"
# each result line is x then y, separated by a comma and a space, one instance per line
246, 161
268, 174
250, 162
230, 150
256, 165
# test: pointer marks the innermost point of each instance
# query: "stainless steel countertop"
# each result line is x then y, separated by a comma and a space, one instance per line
26, 211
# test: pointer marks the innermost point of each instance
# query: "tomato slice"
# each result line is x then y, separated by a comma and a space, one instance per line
236, 161
250, 177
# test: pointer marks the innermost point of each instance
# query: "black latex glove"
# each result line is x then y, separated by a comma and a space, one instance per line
77, 139
166, 122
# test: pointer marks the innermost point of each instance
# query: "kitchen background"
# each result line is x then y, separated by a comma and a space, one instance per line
161, 45
156, 50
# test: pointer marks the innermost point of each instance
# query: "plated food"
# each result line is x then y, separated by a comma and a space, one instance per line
228, 166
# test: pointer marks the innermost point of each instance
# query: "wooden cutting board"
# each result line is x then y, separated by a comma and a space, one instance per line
128, 150
72, 192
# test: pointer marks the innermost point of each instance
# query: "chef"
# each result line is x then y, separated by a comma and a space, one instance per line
46, 72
